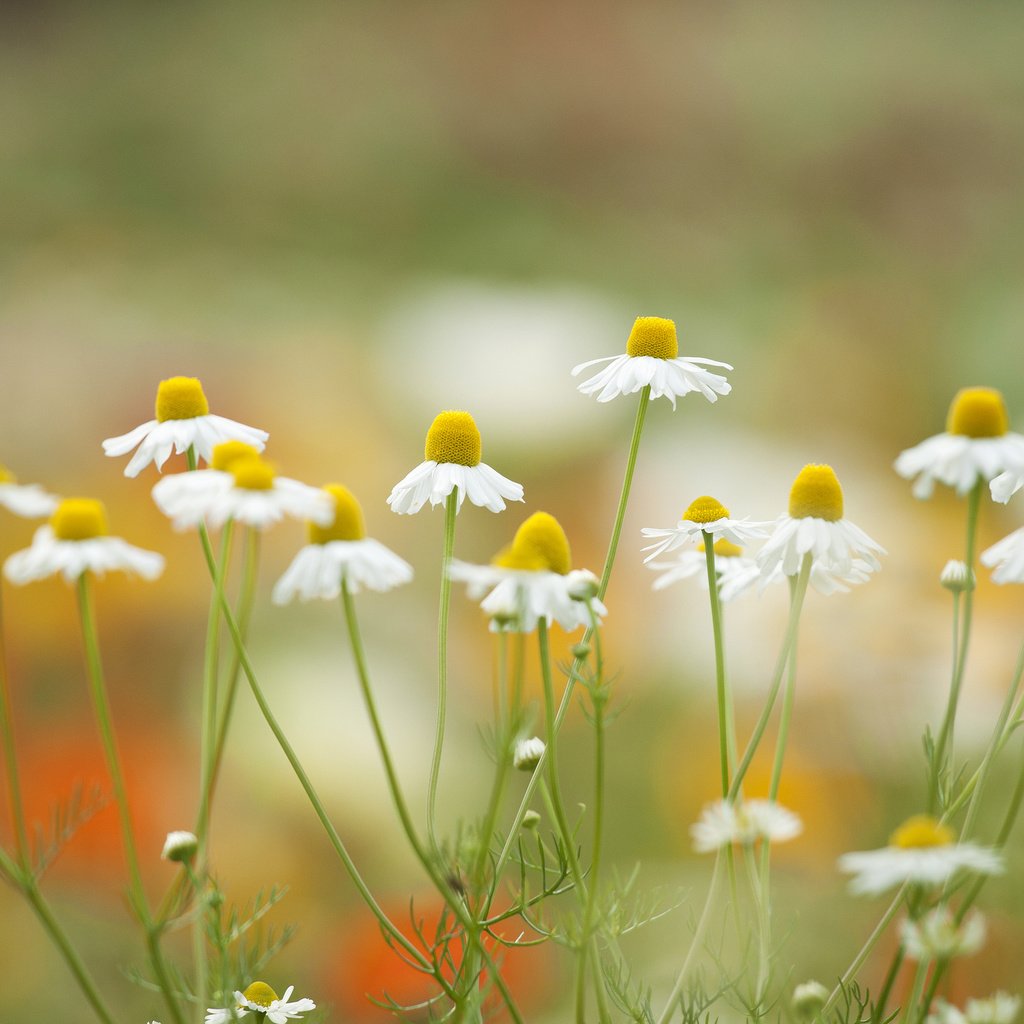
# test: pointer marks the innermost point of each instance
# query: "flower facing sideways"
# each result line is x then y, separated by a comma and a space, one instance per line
27, 500
705, 517
744, 822
1000, 1008
261, 998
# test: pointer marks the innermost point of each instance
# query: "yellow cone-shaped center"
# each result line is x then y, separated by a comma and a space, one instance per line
816, 493
922, 830
252, 473
6, 476
260, 993
348, 518
705, 510
180, 398
726, 549
453, 437
227, 451
653, 336
978, 412
540, 545
79, 519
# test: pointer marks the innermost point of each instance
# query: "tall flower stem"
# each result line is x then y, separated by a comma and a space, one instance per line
11, 755
726, 740
786, 715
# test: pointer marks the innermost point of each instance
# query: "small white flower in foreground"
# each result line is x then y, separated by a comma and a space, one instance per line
452, 463
1006, 556
976, 445
921, 851
183, 421
340, 551
705, 517
956, 576
815, 525
808, 998
76, 541
241, 487
936, 936
180, 846
528, 753
745, 822
1000, 1008
652, 357
27, 500
261, 997
533, 579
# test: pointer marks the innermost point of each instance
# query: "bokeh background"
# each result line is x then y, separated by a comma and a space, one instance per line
346, 217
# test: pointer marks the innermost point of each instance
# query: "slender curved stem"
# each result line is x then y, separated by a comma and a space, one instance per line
11, 756
726, 748
786, 716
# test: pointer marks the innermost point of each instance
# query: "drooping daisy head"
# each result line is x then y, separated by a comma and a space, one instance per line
704, 518
27, 500
743, 822
937, 936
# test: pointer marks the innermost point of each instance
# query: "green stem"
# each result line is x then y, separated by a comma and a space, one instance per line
890, 980
759, 890
786, 716
726, 748
11, 757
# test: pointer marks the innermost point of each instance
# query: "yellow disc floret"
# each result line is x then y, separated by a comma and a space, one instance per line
227, 451
453, 437
79, 519
978, 412
6, 476
260, 994
816, 493
252, 473
348, 518
180, 398
653, 336
705, 509
922, 830
540, 545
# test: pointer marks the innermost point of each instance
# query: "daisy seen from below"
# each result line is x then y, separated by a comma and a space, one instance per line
936, 935
1000, 1008
743, 822
241, 487
652, 359
815, 526
533, 579
706, 517
340, 551
922, 851
183, 421
977, 445
1006, 558
77, 540
452, 463
29, 501
262, 999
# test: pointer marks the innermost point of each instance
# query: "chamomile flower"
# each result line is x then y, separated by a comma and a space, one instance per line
533, 579
705, 517
736, 572
652, 358
921, 851
241, 487
937, 936
1000, 1008
183, 421
1006, 556
527, 753
744, 822
815, 526
77, 540
976, 445
27, 500
260, 997
340, 551
452, 463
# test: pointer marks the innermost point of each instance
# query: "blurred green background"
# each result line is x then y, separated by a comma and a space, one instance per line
346, 217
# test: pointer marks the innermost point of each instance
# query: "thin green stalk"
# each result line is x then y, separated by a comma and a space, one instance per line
759, 890
890, 980
910, 1010
786, 716
11, 756
726, 745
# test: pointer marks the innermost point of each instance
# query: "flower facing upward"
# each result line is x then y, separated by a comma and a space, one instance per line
75, 541
261, 998
815, 526
921, 851
340, 551
1007, 558
452, 463
976, 445
997, 1009
27, 500
652, 358
183, 421
705, 517
744, 822
936, 935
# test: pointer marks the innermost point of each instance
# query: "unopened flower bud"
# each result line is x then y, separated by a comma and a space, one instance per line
956, 577
531, 819
581, 651
583, 585
528, 753
809, 998
180, 846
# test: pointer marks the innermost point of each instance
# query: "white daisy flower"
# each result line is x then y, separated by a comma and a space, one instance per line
936, 935
27, 500
340, 551
183, 421
452, 463
652, 358
527, 753
705, 517
1000, 1008
921, 851
724, 823
1006, 556
179, 846
260, 996
226, 1014
246, 490
977, 445
956, 576
532, 579
815, 525
75, 541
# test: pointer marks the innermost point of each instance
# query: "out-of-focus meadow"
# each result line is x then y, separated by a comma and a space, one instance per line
344, 218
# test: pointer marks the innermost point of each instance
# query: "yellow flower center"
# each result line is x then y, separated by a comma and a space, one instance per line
922, 830
252, 473
653, 336
978, 412
816, 493
453, 437
260, 993
705, 510
6, 476
180, 398
540, 545
348, 518
227, 451
726, 549
79, 519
